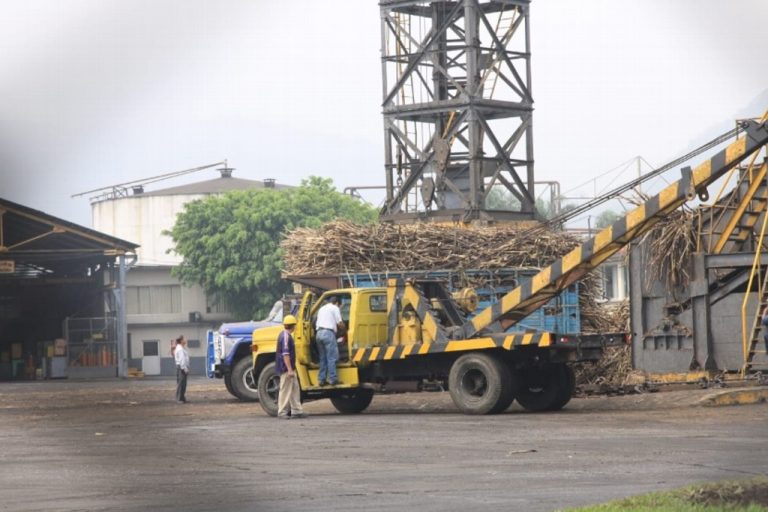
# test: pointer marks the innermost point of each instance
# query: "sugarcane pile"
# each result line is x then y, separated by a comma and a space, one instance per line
613, 372
671, 242
341, 247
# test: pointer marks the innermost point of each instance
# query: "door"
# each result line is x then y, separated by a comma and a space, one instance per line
150, 361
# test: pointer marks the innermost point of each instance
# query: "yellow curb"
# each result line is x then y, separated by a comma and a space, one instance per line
736, 397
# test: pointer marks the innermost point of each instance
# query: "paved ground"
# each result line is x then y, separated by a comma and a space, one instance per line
125, 445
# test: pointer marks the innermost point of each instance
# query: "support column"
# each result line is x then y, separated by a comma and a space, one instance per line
703, 346
474, 129
121, 327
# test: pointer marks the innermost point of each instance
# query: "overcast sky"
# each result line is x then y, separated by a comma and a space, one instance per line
100, 92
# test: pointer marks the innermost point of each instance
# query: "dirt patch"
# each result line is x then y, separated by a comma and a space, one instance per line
738, 493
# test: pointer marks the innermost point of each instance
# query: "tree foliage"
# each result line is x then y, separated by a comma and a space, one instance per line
606, 218
501, 199
230, 243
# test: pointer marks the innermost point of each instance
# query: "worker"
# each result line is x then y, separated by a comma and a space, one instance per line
181, 355
289, 395
276, 313
764, 321
329, 325
173, 348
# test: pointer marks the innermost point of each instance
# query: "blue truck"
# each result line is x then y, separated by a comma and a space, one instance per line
229, 358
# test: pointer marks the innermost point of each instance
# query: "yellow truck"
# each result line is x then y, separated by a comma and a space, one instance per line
400, 337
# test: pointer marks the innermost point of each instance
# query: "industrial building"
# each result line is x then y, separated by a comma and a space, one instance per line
61, 297
159, 307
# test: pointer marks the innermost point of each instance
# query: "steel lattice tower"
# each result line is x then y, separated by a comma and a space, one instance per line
457, 110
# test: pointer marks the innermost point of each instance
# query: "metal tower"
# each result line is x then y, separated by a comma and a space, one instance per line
457, 110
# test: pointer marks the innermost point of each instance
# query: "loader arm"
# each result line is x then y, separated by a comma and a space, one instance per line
550, 281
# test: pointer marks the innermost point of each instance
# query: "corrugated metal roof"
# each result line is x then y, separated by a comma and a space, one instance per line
39, 243
215, 186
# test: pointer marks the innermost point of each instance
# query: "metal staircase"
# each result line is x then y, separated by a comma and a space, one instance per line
728, 225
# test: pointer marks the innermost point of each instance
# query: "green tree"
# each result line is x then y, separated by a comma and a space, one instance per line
501, 199
230, 243
606, 218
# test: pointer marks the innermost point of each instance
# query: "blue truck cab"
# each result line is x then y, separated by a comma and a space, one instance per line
229, 357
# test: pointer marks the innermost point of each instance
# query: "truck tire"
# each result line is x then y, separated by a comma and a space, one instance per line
228, 384
565, 389
269, 387
540, 387
243, 385
353, 402
480, 384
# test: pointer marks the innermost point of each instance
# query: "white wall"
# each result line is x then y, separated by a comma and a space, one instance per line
192, 298
141, 220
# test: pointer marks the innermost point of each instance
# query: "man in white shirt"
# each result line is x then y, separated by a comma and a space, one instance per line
276, 313
329, 323
181, 355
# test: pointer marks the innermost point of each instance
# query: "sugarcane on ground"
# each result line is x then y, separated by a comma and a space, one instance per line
126, 445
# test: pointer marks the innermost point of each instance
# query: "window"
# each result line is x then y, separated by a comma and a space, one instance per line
377, 303
344, 307
145, 300
614, 282
193, 343
151, 347
214, 304
609, 283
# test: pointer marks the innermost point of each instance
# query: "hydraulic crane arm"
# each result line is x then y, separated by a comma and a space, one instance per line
552, 280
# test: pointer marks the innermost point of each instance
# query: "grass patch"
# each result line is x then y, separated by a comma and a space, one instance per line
728, 496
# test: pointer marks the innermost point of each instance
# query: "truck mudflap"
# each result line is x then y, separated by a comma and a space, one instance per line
572, 347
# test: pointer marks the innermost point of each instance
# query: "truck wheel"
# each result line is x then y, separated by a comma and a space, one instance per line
540, 387
353, 402
566, 387
228, 384
269, 386
480, 384
243, 385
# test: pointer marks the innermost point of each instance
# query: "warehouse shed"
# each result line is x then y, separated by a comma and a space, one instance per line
62, 290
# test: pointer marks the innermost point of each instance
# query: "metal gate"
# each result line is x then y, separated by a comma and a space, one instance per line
92, 346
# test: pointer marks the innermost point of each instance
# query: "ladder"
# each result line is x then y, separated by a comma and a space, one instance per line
751, 343
752, 350
505, 29
404, 50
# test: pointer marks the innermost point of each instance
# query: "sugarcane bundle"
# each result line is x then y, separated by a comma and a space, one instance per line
670, 244
346, 247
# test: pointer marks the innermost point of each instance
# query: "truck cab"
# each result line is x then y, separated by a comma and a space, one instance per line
229, 357
364, 312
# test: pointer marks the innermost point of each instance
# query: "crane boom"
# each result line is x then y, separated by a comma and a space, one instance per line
551, 280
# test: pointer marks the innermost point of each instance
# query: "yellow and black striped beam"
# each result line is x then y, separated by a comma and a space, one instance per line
364, 356
401, 293
528, 297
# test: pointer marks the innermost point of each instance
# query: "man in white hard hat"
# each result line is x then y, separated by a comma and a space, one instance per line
289, 396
